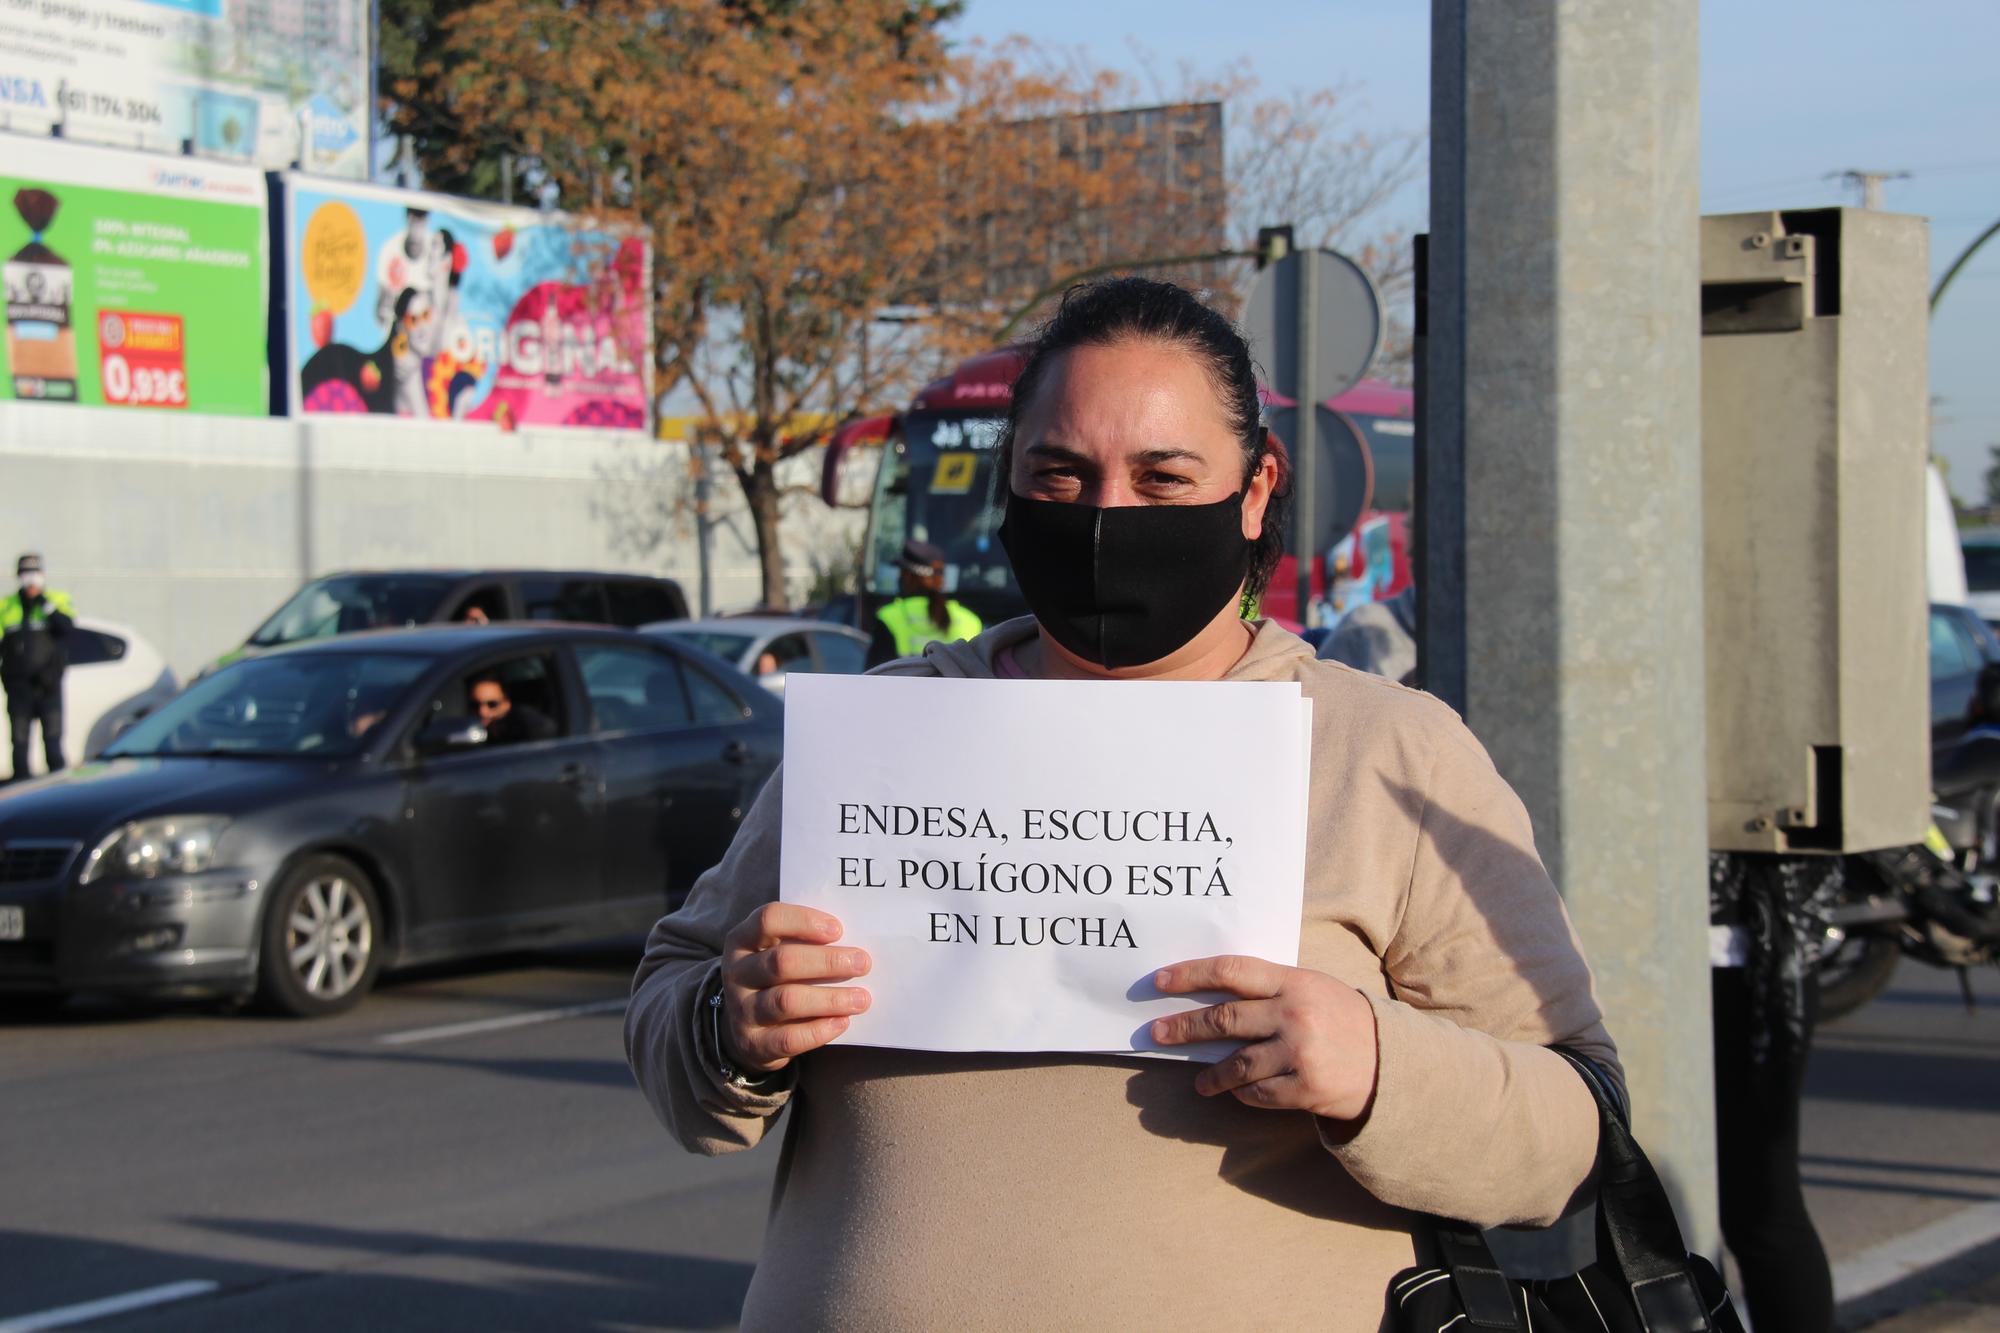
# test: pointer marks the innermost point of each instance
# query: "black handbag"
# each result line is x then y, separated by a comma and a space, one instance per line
1644, 1280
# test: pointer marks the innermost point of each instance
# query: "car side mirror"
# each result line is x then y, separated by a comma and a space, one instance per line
445, 734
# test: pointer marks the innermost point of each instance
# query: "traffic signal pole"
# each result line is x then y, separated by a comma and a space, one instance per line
1305, 449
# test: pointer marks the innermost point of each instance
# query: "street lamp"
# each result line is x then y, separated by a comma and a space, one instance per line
1937, 292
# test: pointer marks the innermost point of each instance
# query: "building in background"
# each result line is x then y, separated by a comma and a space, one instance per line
1171, 199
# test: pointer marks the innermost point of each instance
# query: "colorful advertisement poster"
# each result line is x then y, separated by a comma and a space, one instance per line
132, 281
268, 83
418, 305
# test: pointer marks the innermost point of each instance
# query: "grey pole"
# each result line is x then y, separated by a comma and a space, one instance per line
704, 528
1563, 440
1305, 449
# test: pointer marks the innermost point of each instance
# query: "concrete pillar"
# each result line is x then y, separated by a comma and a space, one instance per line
1562, 494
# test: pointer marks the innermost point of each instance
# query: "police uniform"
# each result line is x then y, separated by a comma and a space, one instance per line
904, 626
909, 622
32, 658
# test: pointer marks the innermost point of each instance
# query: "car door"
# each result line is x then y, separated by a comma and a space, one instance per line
96, 682
640, 717
504, 837
733, 758
671, 779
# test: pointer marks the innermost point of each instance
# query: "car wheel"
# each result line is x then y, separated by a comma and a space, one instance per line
322, 939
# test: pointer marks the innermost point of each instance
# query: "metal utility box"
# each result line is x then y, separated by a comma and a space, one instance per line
1815, 437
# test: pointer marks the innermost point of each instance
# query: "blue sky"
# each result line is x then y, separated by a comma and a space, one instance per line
1791, 91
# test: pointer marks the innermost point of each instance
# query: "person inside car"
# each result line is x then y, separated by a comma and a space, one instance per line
506, 722
484, 607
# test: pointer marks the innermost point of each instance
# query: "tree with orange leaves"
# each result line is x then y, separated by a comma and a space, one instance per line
799, 167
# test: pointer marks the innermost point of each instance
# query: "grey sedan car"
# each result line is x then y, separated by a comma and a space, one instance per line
768, 648
301, 819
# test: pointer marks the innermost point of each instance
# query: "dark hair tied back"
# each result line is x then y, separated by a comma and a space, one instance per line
1115, 310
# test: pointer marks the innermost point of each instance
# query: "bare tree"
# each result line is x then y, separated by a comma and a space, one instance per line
797, 168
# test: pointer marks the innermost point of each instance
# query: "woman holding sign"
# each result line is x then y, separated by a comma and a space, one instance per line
1399, 1069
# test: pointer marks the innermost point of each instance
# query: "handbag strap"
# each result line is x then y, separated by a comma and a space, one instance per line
1484, 1293
1636, 1229
1639, 1241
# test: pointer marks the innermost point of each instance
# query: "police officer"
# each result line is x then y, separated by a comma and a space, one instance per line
33, 624
922, 614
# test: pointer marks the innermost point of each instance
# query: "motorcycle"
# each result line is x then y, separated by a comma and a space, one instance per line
1934, 902
1928, 902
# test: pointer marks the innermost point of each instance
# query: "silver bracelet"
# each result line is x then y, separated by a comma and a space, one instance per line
734, 1077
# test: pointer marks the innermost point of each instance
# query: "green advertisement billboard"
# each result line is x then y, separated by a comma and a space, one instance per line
132, 281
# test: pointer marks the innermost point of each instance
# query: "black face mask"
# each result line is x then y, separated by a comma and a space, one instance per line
1128, 585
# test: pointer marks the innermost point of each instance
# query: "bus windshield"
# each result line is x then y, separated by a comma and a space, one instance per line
937, 485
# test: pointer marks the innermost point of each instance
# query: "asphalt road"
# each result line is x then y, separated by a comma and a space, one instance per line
380, 1170
1901, 1152
398, 1169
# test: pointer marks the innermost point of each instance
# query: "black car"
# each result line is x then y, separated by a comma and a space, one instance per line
299, 820
355, 600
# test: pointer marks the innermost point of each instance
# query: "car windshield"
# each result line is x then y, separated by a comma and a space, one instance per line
1982, 567
267, 707
343, 603
728, 647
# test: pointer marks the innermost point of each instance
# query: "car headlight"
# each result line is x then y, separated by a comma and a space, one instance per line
177, 845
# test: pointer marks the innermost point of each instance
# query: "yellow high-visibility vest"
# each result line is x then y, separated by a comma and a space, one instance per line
909, 620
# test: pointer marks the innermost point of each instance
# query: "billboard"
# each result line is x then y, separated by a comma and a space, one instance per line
420, 305
269, 83
132, 281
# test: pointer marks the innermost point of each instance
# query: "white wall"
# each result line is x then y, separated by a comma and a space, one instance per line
191, 528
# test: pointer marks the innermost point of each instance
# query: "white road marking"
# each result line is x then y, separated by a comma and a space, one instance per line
1913, 1252
414, 1035
64, 1316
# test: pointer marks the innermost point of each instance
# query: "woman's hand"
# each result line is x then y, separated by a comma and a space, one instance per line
772, 1009
1311, 1038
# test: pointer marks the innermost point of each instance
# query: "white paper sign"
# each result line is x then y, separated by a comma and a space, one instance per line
1019, 857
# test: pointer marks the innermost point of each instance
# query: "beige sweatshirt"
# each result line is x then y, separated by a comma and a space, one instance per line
930, 1191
